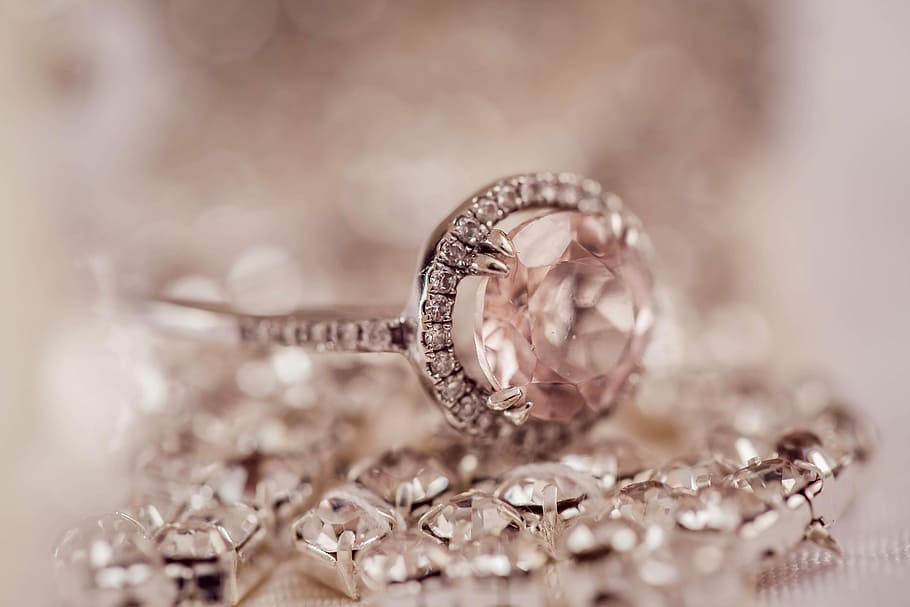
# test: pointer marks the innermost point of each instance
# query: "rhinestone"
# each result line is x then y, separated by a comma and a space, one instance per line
721, 509
497, 557
423, 476
237, 523
528, 193
346, 335
468, 231
282, 484
452, 387
486, 210
438, 308
610, 462
844, 434
775, 480
443, 363
646, 503
470, 516
343, 509
528, 486
687, 475
508, 198
442, 280
110, 563
595, 537
437, 336
376, 336
733, 449
806, 447
453, 251
401, 557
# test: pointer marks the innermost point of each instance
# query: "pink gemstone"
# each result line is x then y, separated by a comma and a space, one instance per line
570, 321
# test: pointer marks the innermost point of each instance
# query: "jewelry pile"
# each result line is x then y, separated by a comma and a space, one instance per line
697, 481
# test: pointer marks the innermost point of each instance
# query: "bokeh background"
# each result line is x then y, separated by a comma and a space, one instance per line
302, 149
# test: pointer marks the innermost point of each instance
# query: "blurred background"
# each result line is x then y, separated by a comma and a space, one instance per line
302, 150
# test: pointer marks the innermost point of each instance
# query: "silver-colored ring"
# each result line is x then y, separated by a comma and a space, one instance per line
472, 246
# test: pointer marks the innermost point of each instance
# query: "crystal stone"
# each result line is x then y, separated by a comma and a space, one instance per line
531, 486
570, 321
420, 476
775, 480
341, 510
111, 563
402, 557
470, 516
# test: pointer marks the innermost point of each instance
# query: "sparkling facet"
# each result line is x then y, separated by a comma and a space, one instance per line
340, 510
422, 476
646, 503
402, 557
438, 308
775, 480
486, 210
468, 231
570, 321
110, 563
531, 486
442, 363
470, 516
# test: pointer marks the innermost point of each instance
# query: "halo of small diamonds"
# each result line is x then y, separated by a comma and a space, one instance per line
452, 258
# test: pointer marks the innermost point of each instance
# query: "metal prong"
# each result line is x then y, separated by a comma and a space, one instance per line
506, 398
499, 243
487, 265
519, 415
819, 535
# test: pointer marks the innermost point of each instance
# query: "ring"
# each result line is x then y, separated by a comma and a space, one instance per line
533, 300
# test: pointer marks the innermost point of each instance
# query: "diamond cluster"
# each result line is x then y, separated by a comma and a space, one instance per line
455, 257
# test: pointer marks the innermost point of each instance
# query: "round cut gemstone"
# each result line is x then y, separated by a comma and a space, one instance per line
570, 321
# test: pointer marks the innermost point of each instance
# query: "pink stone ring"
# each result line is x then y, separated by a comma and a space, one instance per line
533, 301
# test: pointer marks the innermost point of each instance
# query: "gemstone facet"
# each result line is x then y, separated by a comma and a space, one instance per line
570, 321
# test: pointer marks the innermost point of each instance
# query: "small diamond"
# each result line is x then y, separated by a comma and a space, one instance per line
111, 562
468, 231
423, 476
687, 475
376, 335
340, 510
467, 407
612, 463
530, 486
548, 192
646, 503
443, 363
201, 560
775, 480
508, 198
486, 210
402, 557
442, 280
319, 333
438, 308
568, 194
528, 193
346, 335
470, 516
437, 336
237, 523
452, 387
591, 537
453, 251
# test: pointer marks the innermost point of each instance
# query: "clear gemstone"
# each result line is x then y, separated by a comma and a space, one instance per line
775, 480
646, 503
470, 516
806, 447
443, 363
421, 475
718, 509
508, 198
532, 485
486, 210
237, 523
453, 251
610, 462
340, 510
109, 563
401, 557
570, 322
376, 335
438, 308
688, 475
437, 336
590, 536
468, 231
452, 387
497, 557
442, 280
